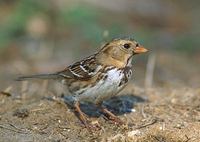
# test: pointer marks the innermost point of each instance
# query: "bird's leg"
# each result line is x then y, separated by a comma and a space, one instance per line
84, 118
82, 115
111, 116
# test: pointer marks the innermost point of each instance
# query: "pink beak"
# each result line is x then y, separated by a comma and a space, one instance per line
140, 49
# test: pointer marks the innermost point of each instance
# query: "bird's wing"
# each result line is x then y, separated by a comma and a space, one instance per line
82, 70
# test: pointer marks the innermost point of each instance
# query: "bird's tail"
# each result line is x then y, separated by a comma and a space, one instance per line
38, 76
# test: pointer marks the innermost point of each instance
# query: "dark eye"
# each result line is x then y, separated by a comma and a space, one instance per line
137, 45
126, 45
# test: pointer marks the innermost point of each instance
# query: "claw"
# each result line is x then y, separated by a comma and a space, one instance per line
112, 117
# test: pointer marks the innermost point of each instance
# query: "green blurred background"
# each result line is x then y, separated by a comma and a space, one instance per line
46, 35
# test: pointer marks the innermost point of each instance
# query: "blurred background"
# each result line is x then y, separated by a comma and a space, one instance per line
38, 36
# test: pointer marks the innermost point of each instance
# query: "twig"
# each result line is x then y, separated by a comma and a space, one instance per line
15, 127
147, 124
150, 70
17, 130
143, 113
44, 86
24, 88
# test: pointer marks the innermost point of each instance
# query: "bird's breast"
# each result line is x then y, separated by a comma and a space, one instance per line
107, 84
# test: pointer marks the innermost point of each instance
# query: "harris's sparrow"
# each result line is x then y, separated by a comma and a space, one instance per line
99, 76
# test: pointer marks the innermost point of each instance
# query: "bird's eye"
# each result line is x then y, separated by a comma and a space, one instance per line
126, 45
137, 45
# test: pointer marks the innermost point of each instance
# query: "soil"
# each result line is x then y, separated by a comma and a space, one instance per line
36, 111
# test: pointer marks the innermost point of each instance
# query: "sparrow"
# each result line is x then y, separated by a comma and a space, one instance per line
99, 76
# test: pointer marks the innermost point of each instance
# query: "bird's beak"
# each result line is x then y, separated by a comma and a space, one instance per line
140, 49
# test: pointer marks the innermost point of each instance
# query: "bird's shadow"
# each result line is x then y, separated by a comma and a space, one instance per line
118, 105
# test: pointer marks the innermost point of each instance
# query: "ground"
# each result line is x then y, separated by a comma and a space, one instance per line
36, 111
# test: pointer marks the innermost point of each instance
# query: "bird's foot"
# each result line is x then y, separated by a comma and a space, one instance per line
91, 126
113, 118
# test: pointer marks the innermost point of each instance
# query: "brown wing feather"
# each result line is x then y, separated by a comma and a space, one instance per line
82, 70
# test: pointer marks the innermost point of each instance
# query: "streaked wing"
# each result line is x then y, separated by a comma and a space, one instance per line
84, 69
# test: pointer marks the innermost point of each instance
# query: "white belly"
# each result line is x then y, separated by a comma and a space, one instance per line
104, 88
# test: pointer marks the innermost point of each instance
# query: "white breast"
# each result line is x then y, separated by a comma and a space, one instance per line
104, 88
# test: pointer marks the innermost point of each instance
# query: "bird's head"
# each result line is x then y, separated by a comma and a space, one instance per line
120, 51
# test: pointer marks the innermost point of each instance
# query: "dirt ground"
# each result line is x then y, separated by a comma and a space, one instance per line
165, 113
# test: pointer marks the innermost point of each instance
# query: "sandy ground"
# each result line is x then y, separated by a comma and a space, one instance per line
169, 112
149, 116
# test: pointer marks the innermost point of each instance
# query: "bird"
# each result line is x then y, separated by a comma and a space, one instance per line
97, 77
